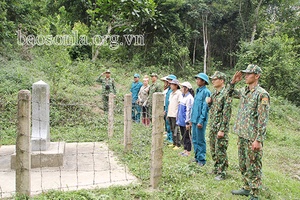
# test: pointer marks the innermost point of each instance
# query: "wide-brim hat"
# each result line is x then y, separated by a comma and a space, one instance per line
175, 82
203, 76
171, 77
164, 78
186, 84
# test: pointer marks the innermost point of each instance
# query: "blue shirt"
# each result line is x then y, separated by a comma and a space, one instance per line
135, 88
167, 102
200, 107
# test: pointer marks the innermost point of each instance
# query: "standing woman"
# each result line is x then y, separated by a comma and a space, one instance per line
175, 98
142, 97
184, 116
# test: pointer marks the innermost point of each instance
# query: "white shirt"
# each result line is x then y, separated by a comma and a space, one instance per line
175, 98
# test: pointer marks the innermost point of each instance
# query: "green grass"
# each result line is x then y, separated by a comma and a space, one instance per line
76, 117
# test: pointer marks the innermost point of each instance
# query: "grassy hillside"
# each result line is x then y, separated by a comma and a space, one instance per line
76, 115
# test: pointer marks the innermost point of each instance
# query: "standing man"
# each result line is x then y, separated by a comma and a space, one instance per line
250, 127
135, 88
199, 119
154, 87
108, 86
219, 116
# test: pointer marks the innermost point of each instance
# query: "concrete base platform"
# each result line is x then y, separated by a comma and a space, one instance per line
86, 166
52, 157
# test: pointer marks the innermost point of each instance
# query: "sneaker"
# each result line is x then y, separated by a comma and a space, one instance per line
175, 148
219, 178
242, 192
193, 160
186, 154
171, 145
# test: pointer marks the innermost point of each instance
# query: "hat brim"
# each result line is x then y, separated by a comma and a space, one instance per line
249, 72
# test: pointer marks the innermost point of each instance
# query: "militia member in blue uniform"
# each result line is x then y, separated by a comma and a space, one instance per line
135, 88
250, 127
199, 118
108, 86
219, 118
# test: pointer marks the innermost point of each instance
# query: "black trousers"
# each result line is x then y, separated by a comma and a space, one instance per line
175, 131
186, 140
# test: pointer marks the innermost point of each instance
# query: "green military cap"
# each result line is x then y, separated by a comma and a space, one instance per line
252, 69
154, 74
107, 71
218, 75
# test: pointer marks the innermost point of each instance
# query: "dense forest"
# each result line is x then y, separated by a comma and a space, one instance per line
186, 36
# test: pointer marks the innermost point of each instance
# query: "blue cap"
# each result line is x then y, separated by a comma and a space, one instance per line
171, 77
203, 77
136, 76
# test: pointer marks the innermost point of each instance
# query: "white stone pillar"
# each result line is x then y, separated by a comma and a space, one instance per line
40, 139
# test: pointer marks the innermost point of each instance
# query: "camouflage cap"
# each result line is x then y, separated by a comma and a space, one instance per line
154, 74
252, 69
107, 71
218, 75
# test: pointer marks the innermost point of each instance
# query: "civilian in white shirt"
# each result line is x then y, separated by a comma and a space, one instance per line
174, 100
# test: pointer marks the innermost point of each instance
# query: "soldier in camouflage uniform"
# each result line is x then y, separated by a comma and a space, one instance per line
108, 86
219, 114
154, 87
250, 126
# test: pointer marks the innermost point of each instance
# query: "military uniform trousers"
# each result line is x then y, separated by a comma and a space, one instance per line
250, 163
218, 149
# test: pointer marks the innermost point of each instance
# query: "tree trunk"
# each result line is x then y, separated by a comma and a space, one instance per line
205, 41
95, 56
255, 21
194, 52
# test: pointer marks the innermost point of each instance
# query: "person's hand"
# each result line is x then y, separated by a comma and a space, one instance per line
256, 146
238, 76
187, 127
208, 100
220, 134
199, 125
145, 103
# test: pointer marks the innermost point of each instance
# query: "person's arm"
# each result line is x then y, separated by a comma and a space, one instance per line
263, 108
113, 86
99, 79
204, 110
226, 114
237, 77
189, 106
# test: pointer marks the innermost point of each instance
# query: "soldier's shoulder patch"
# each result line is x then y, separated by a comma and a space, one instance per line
265, 100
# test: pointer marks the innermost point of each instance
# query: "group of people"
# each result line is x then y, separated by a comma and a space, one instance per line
187, 113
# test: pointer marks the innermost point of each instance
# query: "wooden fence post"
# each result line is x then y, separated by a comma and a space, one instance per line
127, 122
111, 115
23, 145
157, 139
